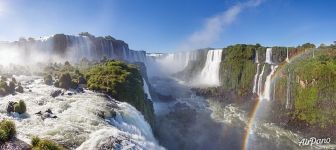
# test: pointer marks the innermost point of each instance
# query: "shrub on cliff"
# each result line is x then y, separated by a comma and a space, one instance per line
20, 107
7, 130
123, 82
48, 79
3, 88
43, 144
11, 87
19, 88
66, 82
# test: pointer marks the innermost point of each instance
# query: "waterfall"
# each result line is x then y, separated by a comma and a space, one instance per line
288, 91
175, 62
256, 79
60, 47
257, 73
146, 89
269, 55
260, 81
256, 58
287, 58
210, 73
267, 89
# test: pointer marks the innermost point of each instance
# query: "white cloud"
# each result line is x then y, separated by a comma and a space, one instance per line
215, 25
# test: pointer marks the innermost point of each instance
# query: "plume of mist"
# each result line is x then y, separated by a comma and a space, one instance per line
215, 25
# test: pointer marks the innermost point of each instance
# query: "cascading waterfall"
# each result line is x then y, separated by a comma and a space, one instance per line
210, 73
287, 58
71, 48
288, 91
256, 79
260, 81
174, 62
257, 58
264, 92
267, 89
269, 55
256, 75
146, 89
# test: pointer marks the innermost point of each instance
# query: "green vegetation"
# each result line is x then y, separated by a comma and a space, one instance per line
65, 81
312, 87
121, 81
316, 89
20, 107
238, 68
43, 144
67, 76
7, 130
3, 87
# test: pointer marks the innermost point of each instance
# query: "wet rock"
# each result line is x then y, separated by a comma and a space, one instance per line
38, 113
81, 80
55, 93
11, 87
10, 106
65, 81
19, 89
14, 144
101, 114
49, 111
48, 80
80, 90
46, 114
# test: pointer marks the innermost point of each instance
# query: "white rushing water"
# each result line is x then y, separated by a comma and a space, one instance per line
210, 73
257, 58
255, 83
267, 89
269, 55
73, 48
287, 57
288, 91
262, 134
174, 62
260, 85
79, 123
146, 89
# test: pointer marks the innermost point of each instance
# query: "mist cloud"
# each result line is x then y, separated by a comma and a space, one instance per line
215, 25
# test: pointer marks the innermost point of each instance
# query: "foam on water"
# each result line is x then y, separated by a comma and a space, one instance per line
77, 117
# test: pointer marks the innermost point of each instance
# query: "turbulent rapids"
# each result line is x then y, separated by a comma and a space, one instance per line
78, 123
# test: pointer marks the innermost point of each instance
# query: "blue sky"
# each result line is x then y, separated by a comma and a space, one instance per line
170, 25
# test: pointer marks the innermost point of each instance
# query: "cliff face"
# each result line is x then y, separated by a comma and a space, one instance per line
306, 91
76, 47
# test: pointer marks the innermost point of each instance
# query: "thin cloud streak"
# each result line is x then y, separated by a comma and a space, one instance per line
214, 26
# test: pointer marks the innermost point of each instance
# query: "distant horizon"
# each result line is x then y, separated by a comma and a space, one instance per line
38, 38
169, 26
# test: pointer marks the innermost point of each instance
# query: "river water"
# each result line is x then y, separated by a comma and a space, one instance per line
187, 121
